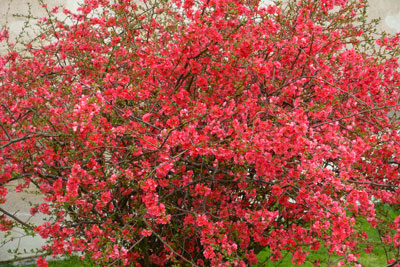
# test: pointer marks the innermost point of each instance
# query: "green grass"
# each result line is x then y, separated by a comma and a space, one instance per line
73, 261
70, 262
376, 258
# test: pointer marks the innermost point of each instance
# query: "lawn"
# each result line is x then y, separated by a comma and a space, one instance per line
70, 262
376, 258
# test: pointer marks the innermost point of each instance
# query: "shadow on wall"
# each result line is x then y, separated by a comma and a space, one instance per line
388, 11
393, 22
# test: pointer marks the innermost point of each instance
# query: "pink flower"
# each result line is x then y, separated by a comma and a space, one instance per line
146, 232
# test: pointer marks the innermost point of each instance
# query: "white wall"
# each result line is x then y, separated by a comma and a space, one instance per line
11, 11
388, 11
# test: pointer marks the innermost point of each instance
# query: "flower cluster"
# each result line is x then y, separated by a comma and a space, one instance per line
200, 132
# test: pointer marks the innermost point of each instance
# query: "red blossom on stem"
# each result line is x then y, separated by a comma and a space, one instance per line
200, 132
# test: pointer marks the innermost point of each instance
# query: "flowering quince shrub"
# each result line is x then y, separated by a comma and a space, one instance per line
197, 133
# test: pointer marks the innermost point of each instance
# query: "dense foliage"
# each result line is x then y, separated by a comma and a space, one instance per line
199, 132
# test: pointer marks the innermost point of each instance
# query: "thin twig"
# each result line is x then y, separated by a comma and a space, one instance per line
16, 219
168, 246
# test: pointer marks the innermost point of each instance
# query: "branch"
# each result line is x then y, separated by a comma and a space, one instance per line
16, 140
351, 115
134, 245
27, 137
16, 219
375, 184
168, 246
5, 131
393, 264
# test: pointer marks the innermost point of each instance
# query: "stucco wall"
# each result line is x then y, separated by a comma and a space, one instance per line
12, 13
388, 11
